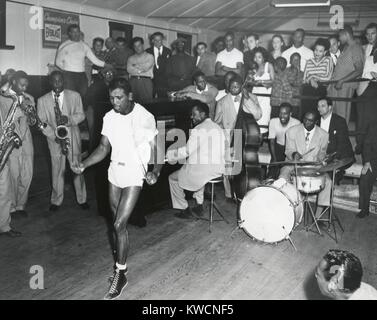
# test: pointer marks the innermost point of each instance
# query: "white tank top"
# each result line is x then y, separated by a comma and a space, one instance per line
265, 75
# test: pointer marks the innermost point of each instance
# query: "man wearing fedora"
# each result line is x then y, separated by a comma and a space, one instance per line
180, 67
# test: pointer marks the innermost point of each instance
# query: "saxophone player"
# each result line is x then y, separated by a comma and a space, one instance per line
8, 115
21, 160
62, 111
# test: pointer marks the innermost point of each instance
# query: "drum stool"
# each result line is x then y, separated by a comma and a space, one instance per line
213, 205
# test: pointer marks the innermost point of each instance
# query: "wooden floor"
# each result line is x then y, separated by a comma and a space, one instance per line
170, 258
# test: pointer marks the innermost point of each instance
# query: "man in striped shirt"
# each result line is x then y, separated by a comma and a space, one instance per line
320, 67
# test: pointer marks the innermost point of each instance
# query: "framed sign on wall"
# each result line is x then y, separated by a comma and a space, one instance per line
55, 25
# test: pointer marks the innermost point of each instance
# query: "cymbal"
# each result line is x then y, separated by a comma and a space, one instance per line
295, 162
336, 164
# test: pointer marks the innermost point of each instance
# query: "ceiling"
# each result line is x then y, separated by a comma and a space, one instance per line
220, 15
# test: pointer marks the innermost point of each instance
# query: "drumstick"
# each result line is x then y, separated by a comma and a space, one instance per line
231, 161
283, 162
307, 152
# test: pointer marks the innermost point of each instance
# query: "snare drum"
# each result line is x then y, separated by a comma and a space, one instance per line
269, 213
310, 180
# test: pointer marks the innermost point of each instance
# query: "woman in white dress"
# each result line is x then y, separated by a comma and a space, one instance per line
263, 85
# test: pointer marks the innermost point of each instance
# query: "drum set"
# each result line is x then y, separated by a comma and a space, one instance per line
270, 212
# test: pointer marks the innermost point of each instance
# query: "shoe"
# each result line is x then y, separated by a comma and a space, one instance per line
19, 213
198, 210
84, 206
118, 283
11, 233
184, 214
362, 214
54, 208
112, 276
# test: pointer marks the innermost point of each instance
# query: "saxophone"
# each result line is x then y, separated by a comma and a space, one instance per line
29, 110
9, 139
61, 131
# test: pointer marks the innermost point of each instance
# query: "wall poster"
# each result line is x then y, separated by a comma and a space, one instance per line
55, 25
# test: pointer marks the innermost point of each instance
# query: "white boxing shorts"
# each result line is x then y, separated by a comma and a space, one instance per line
123, 176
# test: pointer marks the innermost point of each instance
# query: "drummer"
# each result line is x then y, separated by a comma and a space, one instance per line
308, 142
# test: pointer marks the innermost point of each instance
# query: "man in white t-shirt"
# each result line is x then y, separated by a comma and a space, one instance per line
129, 132
298, 46
70, 58
339, 276
276, 136
230, 59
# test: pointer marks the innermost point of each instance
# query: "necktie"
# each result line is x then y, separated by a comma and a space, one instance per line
335, 58
237, 99
307, 140
159, 58
373, 53
57, 100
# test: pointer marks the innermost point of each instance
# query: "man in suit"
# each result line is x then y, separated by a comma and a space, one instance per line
70, 105
205, 60
369, 172
307, 142
161, 55
21, 159
226, 115
337, 129
367, 90
202, 91
5, 177
204, 157
334, 50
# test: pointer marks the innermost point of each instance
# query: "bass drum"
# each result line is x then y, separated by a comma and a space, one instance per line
270, 213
